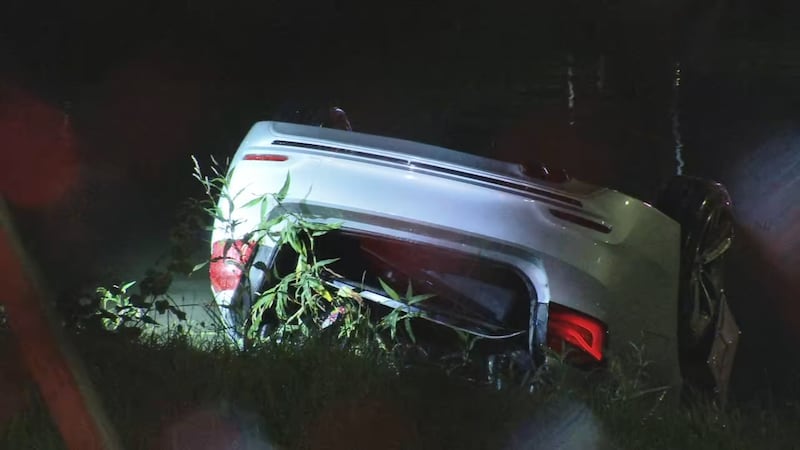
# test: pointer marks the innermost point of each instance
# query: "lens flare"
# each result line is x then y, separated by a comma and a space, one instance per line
38, 159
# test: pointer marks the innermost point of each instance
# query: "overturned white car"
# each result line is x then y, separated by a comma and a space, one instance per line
513, 253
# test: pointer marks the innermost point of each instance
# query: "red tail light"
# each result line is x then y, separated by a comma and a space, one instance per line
585, 333
259, 157
228, 260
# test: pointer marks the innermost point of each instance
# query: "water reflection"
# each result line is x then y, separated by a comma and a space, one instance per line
570, 90
601, 73
676, 120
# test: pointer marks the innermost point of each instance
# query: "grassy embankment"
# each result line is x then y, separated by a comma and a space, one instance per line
171, 394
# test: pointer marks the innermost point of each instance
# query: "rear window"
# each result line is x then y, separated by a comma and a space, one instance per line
463, 285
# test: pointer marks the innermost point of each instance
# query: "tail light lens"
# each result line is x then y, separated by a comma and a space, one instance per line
262, 157
228, 261
569, 328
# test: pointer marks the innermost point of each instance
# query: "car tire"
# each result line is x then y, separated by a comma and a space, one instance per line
703, 210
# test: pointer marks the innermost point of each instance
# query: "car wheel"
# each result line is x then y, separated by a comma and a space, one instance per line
318, 116
703, 209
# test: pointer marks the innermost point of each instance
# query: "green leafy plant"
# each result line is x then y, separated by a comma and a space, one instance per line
124, 312
304, 302
468, 342
401, 314
301, 300
118, 311
150, 313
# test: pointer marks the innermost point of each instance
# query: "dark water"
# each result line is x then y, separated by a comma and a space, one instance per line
621, 95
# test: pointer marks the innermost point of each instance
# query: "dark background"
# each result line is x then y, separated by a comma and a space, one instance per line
102, 102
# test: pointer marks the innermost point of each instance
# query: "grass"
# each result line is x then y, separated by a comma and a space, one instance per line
171, 394
314, 397
168, 392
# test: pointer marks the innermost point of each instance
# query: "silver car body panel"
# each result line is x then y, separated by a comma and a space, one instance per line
621, 268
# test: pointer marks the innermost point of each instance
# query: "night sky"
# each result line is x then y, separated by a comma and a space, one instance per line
102, 102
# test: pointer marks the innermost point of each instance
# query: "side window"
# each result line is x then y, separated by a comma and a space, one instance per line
462, 284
